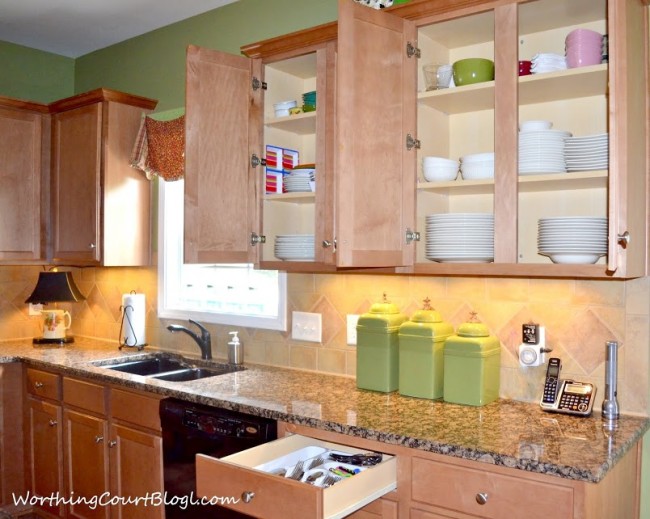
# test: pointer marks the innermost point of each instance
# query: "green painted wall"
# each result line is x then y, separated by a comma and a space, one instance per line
34, 75
153, 65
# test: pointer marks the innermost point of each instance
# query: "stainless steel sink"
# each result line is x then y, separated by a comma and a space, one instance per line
163, 367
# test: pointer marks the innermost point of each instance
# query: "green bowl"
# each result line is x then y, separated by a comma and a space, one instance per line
473, 70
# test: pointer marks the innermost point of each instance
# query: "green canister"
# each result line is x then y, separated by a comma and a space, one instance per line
472, 365
378, 347
421, 346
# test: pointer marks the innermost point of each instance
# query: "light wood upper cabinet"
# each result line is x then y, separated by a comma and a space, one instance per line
100, 205
222, 127
24, 127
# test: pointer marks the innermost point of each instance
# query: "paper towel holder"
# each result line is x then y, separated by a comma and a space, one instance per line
123, 338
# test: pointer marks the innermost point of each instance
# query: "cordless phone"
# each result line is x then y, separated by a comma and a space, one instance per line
552, 381
566, 396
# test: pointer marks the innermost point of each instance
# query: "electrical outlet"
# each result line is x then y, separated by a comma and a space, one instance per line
35, 309
307, 327
352, 329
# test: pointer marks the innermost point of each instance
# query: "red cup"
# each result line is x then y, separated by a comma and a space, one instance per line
524, 67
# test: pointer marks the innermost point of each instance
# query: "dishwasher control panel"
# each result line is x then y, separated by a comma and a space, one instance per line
224, 426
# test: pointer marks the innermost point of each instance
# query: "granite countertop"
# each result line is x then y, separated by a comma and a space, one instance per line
506, 432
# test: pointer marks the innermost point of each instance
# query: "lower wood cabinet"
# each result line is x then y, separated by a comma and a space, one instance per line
98, 447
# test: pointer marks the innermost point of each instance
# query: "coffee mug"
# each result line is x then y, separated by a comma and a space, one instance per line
54, 323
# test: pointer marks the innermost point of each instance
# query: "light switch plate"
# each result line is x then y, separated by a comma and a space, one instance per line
352, 329
35, 309
306, 326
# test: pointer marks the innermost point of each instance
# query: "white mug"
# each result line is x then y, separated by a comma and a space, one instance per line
54, 323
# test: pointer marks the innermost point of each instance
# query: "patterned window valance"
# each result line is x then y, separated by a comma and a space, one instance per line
160, 148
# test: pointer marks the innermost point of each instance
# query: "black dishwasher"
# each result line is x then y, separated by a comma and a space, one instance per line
189, 429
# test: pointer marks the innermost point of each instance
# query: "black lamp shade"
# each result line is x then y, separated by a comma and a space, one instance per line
55, 287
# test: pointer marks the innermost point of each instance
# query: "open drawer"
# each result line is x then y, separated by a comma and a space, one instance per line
250, 477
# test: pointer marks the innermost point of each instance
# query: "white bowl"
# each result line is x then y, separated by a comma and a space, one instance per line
282, 112
440, 173
527, 126
426, 161
471, 172
285, 105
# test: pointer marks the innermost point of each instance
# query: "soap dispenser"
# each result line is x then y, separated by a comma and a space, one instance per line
235, 349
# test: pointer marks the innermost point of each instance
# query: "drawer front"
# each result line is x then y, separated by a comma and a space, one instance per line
43, 384
462, 489
135, 408
276, 497
85, 395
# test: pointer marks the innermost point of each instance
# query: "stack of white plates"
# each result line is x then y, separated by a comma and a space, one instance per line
460, 237
294, 247
547, 62
542, 151
587, 153
299, 180
572, 239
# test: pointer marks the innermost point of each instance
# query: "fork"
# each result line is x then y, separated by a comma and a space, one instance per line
297, 473
316, 462
330, 480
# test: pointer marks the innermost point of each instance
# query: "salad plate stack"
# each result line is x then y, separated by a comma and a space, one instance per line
572, 239
294, 247
298, 181
542, 151
587, 153
547, 62
460, 237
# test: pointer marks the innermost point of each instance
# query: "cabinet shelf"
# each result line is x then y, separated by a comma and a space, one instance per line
300, 124
293, 198
527, 183
536, 88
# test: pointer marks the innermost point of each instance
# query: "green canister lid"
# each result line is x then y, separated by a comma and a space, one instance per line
472, 339
426, 323
382, 316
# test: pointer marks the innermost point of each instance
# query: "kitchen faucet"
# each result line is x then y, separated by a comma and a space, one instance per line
203, 341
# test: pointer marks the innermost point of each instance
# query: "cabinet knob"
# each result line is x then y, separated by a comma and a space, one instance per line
624, 239
91, 245
38, 385
52, 423
112, 444
99, 439
247, 496
481, 498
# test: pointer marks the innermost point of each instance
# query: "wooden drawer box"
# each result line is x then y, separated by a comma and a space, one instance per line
276, 497
86, 395
463, 489
43, 384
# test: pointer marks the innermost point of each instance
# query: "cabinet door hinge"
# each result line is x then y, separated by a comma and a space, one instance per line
412, 50
256, 161
412, 142
257, 238
257, 84
412, 235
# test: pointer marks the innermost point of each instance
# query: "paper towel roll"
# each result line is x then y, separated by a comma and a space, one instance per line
133, 320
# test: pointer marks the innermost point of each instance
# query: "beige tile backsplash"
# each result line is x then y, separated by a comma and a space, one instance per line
579, 317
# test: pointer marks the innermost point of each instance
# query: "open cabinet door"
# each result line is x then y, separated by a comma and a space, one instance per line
223, 128
375, 173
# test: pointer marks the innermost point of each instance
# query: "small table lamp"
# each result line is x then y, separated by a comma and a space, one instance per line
55, 287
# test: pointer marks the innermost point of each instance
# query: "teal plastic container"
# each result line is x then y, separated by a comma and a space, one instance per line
378, 348
421, 358
472, 366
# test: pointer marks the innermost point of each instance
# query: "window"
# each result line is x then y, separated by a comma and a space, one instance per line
235, 294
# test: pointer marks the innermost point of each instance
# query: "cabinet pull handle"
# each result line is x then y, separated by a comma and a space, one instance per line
91, 245
247, 496
38, 385
112, 444
52, 423
481, 498
99, 439
624, 239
